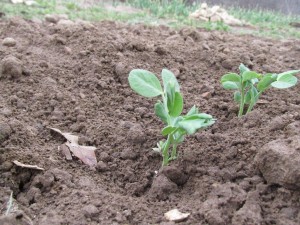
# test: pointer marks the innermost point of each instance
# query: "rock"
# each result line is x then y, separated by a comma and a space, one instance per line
11, 68
176, 216
9, 42
279, 162
5, 131
51, 18
206, 95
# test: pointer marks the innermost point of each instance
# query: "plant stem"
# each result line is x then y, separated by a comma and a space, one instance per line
242, 103
174, 152
252, 103
165, 152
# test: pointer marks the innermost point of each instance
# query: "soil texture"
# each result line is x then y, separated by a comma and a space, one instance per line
73, 76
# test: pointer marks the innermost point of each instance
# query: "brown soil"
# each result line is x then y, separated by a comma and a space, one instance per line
74, 78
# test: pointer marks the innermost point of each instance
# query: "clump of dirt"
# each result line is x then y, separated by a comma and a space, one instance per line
75, 80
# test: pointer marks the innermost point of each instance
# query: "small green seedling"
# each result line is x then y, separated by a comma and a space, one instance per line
169, 109
249, 85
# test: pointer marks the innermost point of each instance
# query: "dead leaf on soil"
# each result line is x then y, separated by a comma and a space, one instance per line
85, 153
176, 216
34, 167
66, 151
70, 137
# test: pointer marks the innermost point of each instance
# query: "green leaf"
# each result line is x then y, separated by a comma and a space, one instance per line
254, 94
168, 76
144, 83
249, 75
243, 68
168, 130
229, 85
247, 98
231, 81
285, 80
192, 111
191, 125
161, 112
198, 116
177, 106
237, 97
265, 82
231, 77
170, 91
290, 72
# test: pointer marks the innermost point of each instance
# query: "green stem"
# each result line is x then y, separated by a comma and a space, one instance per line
165, 101
165, 152
174, 152
242, 103
252, 103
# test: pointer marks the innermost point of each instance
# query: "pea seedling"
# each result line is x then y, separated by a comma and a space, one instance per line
249, 85
169, 110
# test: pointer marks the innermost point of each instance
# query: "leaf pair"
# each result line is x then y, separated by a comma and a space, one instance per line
249, 85
169, 109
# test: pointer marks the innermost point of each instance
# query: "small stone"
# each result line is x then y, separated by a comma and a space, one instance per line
52, 18
68, 50
206, 95
9, 42
176, 216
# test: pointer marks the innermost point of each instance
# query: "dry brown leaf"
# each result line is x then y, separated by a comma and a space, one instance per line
70, 137
66, 151
176, 216
85, 153
34, 167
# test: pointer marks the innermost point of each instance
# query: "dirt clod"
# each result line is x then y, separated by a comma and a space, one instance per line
11, 68
279, 162
5, 131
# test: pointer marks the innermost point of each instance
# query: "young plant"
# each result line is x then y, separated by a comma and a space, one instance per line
168, 109
249, 85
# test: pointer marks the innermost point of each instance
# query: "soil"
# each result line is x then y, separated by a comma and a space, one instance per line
73, 76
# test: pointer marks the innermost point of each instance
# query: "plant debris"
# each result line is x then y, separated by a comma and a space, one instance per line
85, 153
34, 167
